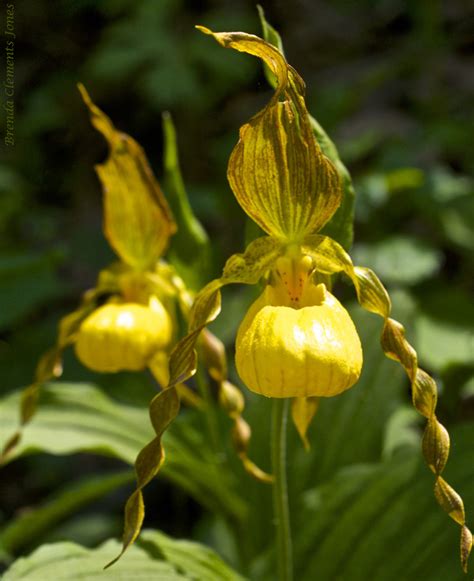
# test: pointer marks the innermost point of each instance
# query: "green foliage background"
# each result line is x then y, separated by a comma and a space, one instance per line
389, 81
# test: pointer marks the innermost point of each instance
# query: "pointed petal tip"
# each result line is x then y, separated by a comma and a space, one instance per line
84, 94
203, 29
114, 560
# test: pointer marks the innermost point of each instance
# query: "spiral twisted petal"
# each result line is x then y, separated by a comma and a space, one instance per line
163, 409
330, 258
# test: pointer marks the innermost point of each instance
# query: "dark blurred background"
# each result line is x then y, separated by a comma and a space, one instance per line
390, 80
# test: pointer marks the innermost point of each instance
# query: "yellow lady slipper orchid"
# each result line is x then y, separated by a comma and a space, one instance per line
119, 337
147, 299
283, 351
297, 340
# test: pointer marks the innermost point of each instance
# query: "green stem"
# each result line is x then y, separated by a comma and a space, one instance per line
280, 492
210, 411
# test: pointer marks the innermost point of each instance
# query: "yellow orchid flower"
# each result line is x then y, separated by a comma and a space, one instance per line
128, 321
296, 341
123, 336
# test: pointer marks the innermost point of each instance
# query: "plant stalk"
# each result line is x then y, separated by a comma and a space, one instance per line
209, 411
280, 491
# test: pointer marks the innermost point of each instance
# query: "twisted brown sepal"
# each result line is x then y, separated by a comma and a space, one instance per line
164, 407
158, 367
330, 258
49, 367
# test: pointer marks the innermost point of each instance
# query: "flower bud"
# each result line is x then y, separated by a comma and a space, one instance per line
313, 350
231, 399
119, 337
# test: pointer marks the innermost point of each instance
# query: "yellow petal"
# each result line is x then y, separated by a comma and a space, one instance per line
303, 410
137, 219
286, 352
277, 170
119, 337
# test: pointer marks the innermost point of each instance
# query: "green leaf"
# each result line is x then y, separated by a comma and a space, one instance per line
441, 343
192, 558
75, 417
61, 561
158, 557
402, 430
380, 522
443, 326
277, 170
340, 227
457, 217
137, 220
190, 250
399, 259
272, 37
31, 525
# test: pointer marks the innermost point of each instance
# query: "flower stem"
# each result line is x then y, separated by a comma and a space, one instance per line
280, 492
210, 411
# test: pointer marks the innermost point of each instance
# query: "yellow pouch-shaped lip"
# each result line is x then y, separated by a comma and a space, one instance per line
283, 351
123, 337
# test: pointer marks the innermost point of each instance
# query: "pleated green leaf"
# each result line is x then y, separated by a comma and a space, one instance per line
75, 417
375, 522
277, 170
192, 558
156, 556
